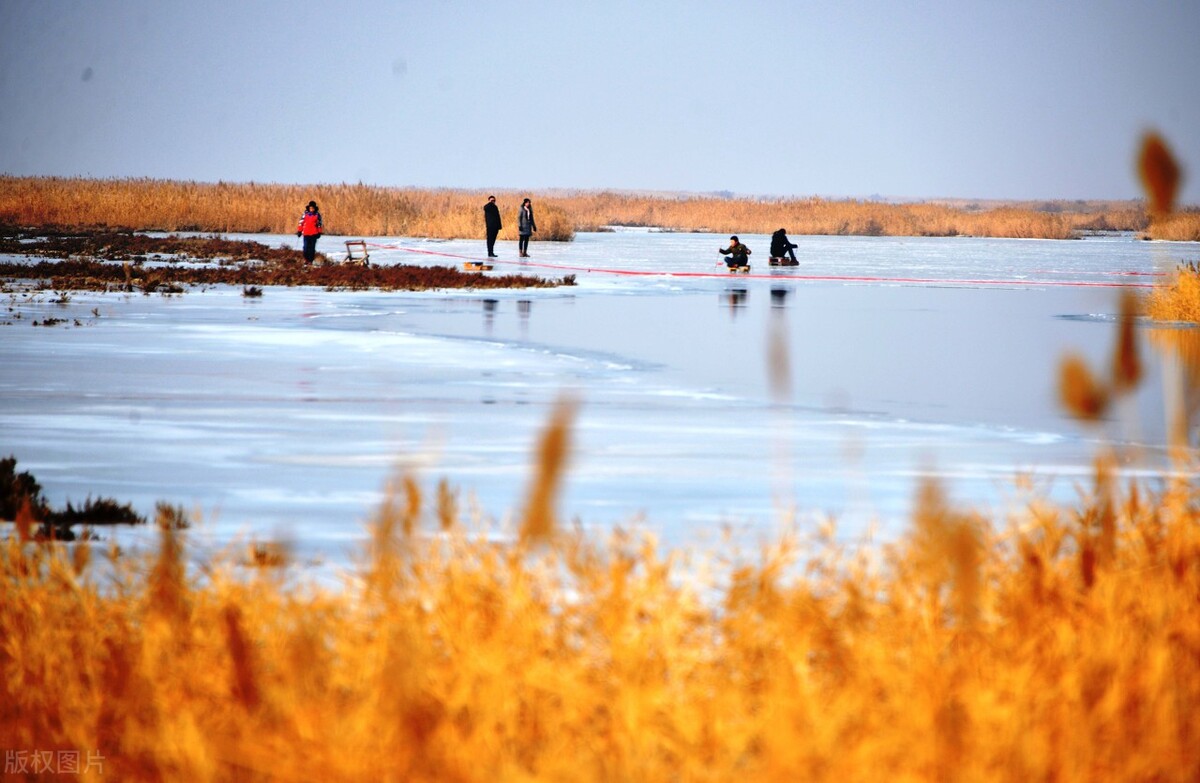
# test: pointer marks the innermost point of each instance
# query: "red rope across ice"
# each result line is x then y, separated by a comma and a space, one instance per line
785, 276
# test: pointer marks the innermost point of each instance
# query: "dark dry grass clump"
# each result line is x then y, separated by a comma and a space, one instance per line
21, 499
116, 261
129, 246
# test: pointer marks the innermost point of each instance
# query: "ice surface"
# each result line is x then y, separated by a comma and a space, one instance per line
287, 415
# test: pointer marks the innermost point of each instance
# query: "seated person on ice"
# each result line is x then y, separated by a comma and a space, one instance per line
737, 252
781, 245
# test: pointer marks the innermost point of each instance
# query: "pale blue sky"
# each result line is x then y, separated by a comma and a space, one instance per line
963, 98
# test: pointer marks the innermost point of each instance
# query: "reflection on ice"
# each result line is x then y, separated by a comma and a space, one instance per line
291, 412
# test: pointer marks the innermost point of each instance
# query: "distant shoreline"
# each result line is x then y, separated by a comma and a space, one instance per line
367, 210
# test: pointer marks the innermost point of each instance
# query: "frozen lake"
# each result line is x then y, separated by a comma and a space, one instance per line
286, 416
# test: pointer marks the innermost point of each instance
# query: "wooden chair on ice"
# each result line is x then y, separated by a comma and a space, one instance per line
359, 245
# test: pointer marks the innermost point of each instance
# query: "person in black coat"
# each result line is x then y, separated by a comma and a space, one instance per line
780, 245
525, 227
491, 219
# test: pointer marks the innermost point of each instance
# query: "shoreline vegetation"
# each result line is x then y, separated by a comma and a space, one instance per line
123, 261
366, 210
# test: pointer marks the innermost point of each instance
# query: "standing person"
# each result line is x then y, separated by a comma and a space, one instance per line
780, 245
525, 227
739, 254
311, 227
491, 219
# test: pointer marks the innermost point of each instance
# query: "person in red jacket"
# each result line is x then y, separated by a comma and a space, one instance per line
311, 229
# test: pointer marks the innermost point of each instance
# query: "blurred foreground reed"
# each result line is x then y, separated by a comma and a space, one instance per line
1060, 644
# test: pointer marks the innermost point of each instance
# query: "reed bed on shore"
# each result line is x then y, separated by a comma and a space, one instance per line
849, 217
348, 210
1178, 227
1062, 644
363, 210
1178, 299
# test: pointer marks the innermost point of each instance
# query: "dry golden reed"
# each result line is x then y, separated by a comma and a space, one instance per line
1061, 644
348, 210
364, 210
1181, 226
824, 216
1178, 299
